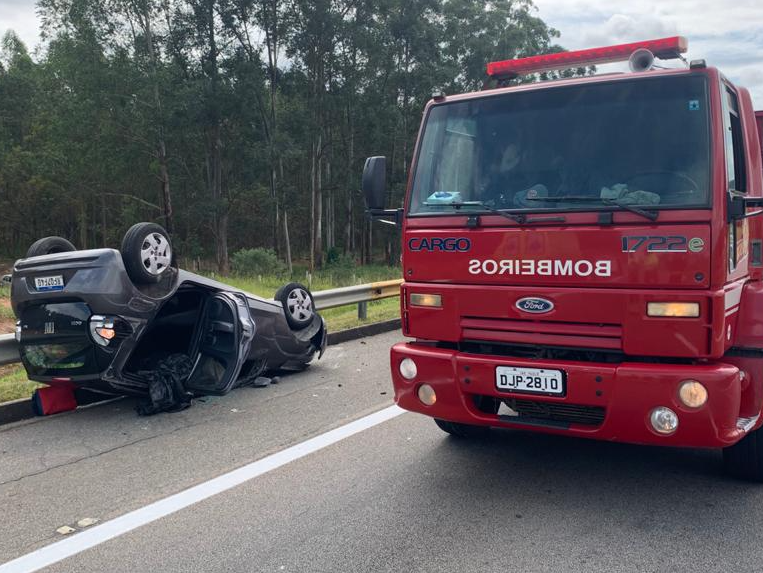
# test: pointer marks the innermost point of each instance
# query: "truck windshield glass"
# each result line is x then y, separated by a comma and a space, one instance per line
643, 142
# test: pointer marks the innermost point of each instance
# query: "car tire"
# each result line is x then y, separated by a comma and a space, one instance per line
744, 460
462, 430
50, 245
298, 305
146, 253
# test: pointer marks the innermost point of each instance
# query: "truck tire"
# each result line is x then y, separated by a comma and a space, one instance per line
298, 305
50, 245
462, 430
147, 253
744, 460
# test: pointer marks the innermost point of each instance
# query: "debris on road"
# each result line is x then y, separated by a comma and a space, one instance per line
65, 530
165, 386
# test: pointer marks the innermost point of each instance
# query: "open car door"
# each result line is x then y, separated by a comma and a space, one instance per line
224, 334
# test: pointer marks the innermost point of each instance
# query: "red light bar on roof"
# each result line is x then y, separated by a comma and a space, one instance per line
665, 49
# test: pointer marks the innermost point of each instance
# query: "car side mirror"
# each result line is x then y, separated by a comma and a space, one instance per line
375, 182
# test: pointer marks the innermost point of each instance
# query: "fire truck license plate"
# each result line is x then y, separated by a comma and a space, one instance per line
529, 380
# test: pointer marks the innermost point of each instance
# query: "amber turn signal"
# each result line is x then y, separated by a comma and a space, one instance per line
673, 309
431, 300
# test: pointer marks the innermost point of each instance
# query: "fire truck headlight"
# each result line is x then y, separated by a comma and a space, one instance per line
673, 309
427, 395
664, 420
419, 299
408, 369
692, 394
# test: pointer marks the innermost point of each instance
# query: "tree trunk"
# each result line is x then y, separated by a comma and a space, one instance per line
83, 225
164, 177
222, 245
370, 243
104, 234
349, 247
287, 244
316, 242
220, 199
161, 145
221, 207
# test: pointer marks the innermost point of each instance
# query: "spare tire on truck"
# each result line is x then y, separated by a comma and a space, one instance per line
298, 305
50, 245
147, 253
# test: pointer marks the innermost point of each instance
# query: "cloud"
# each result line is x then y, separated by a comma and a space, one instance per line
621, 28
733, 44
20, 16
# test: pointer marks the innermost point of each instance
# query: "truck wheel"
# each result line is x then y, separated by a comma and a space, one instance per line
462, 430
146, 252
298, 305
744, 460
50, 245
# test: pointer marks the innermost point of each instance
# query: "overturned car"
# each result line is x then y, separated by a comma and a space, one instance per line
108, 320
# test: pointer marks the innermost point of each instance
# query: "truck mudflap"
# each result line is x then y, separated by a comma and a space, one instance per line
601, 401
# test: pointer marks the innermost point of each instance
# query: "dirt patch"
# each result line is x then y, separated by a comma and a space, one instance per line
7, 370
7, 322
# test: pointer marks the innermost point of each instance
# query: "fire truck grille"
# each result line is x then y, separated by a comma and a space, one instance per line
569, 413
519, 411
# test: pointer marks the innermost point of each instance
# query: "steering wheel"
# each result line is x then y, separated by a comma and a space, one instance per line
695, 188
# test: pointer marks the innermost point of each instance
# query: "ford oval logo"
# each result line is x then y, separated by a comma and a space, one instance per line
535, 305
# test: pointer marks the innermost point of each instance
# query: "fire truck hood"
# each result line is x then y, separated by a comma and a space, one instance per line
668, 256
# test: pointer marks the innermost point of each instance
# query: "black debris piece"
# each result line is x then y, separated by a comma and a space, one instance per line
261, 382
165, 385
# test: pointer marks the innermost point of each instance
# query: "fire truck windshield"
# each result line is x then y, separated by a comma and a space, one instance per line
640, 141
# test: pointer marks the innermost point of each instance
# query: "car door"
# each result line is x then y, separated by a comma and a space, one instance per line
226, 330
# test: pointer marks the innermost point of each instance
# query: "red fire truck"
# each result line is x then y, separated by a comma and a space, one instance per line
584, 256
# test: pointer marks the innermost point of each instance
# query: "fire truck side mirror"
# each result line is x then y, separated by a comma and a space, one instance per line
375, 182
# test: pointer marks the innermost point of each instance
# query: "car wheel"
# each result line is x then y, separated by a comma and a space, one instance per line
462, 430
146, 252
298, 305
744, 459
50, 245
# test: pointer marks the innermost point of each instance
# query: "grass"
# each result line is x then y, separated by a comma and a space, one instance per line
266, 286
6, 314
14, 384
336, 318
346, 317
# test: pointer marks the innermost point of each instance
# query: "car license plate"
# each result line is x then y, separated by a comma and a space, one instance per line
529, 380
49, 283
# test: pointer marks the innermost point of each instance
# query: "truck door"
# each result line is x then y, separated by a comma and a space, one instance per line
736, 169
222, 343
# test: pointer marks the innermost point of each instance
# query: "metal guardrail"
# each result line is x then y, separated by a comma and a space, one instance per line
332, 298
9, 352
356, 294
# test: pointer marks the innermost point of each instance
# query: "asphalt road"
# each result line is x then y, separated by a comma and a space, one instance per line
399, 496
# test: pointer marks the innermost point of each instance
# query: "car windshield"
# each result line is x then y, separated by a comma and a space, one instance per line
630, 142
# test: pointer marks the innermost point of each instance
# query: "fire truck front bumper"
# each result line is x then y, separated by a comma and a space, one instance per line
634, 402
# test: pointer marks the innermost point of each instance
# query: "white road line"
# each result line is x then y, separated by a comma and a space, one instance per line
79, 542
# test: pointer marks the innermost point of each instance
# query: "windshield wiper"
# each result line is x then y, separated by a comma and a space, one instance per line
651, 215
517, 218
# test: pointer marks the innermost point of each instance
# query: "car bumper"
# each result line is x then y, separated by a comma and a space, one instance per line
614, 400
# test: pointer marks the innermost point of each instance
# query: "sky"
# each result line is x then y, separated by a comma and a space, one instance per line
728, 34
